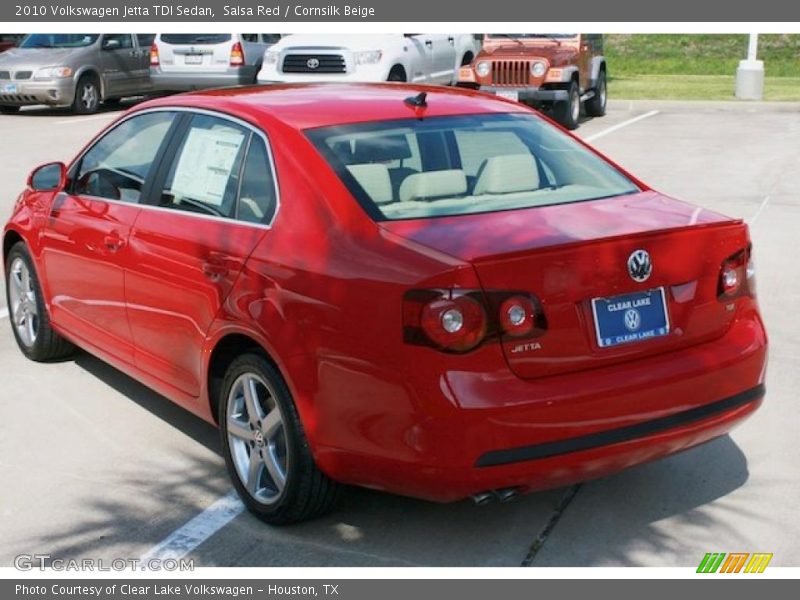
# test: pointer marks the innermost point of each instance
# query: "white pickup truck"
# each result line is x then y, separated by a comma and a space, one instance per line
414, 57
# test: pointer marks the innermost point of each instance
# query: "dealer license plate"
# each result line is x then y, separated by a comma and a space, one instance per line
630, 317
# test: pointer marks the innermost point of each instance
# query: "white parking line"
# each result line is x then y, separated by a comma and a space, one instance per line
761, 208
619, 126
3, 313
185, 539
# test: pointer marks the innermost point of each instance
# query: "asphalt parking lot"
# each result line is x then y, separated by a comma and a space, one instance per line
92, 464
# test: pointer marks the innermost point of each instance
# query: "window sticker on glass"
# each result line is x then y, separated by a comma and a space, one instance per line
205, 165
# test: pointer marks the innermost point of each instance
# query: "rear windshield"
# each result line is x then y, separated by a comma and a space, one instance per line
187, 39
59, 40
410, 169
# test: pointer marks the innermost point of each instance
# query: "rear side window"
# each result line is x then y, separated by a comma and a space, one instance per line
188, 39
145, 40
257, 197
118, 164
204, 175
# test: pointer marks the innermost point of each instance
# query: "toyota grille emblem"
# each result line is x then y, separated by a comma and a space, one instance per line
312, 63
639, 265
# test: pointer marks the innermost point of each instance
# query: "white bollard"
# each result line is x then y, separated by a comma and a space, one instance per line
750, 73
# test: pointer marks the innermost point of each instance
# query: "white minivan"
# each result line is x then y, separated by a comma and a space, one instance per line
413, 57
192, 61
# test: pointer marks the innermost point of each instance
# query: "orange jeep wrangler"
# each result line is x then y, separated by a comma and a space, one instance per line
552, 71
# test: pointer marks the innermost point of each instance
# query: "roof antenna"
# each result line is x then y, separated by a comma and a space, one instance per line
417, 101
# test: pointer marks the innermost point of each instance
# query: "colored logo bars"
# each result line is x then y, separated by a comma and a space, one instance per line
735, 562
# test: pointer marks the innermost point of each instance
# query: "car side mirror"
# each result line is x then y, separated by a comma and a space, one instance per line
48, 178
112, 44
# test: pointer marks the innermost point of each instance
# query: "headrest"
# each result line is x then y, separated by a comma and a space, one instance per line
507, 173
375, 180
433, 184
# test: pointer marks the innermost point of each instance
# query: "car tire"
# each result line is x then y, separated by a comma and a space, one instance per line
28, 315
397, 74
87, 95
259, 422
568, 112
596, 105
9, 110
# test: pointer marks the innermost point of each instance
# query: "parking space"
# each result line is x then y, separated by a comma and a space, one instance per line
94, 464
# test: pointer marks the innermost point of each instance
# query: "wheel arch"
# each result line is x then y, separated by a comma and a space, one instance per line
221, 354
11, 238
91, 70
398, 66
598, 66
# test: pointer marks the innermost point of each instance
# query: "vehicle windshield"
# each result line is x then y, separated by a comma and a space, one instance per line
440, 166
187, 39
59, 40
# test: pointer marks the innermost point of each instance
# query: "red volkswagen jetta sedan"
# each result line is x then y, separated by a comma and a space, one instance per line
422, 290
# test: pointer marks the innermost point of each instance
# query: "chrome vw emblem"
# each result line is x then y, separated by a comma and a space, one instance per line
639, 265
259, 439
312, 63
632, 319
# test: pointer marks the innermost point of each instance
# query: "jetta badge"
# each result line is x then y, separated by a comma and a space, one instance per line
312, 63
639, 265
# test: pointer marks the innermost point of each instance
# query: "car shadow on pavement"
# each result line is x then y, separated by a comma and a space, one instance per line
650, 514
49, 111
608, 522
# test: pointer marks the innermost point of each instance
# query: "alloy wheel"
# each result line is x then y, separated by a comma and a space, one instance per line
257, 438
24, 308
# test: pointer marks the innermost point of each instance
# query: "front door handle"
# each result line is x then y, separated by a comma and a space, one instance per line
214, 268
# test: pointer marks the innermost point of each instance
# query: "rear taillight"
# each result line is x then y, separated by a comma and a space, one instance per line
518, 316
737, 275
154, 60
237, 55
460, 320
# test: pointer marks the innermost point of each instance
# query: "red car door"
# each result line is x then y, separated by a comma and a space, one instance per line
85, 240
214, 200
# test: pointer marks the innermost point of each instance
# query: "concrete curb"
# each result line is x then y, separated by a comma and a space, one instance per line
732, 105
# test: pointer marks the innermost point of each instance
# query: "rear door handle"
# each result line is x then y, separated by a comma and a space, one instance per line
113, 242
429, 43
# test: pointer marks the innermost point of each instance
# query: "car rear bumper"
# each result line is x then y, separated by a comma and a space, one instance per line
180, 81
56, 92
529, 94
561, 430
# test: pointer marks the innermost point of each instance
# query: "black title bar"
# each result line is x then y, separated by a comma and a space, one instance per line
443, 11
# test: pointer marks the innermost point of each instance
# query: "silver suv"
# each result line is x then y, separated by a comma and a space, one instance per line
78, 70
191, 61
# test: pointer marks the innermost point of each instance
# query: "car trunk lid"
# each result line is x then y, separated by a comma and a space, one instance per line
571, 254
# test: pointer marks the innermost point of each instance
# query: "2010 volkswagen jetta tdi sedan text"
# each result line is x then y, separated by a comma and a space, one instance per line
428, 291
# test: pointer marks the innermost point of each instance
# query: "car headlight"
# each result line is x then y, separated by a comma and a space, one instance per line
53, 73
483, 68
368, 57
538, 69
271, 57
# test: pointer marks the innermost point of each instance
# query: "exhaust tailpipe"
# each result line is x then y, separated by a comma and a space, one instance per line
501, 495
